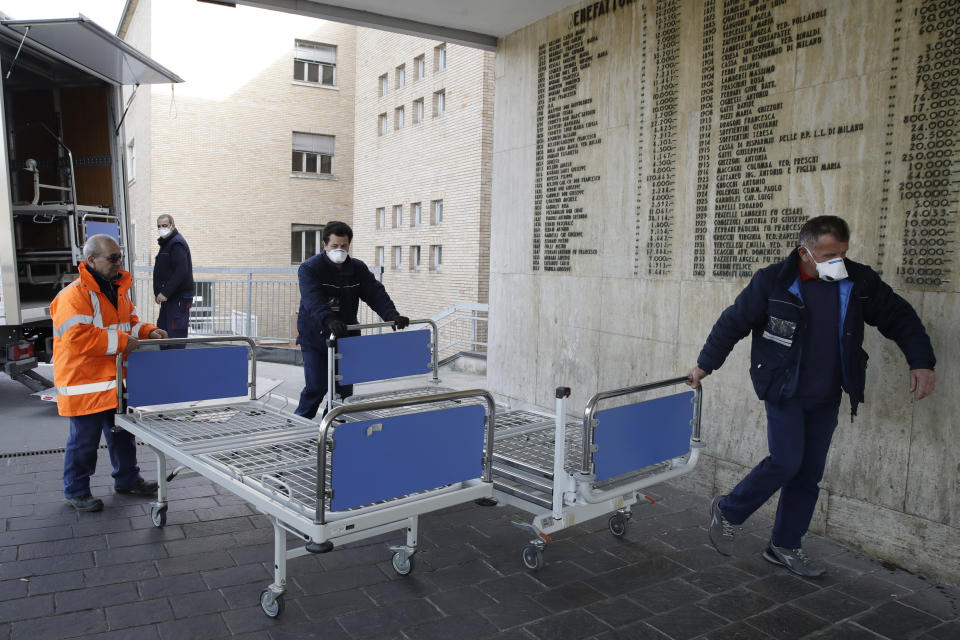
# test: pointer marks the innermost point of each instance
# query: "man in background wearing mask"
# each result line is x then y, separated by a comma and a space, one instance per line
332, 284
806, 314
172, 280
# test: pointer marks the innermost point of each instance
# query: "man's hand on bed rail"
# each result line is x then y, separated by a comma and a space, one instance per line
401, 322
695, 375
338, 328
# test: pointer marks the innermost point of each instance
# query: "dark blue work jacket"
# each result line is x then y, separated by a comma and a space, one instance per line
328, 293
772, 308
173, 268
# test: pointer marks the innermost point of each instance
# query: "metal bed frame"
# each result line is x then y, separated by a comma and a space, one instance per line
286, 465
548, 466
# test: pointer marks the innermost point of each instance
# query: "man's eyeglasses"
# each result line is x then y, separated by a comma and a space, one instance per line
115, 258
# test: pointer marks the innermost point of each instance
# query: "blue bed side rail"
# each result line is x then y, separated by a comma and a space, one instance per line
385, 355
398, 455
188, 375
387, 458
639, 435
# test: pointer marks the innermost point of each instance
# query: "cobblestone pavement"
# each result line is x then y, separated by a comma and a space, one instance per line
114, 575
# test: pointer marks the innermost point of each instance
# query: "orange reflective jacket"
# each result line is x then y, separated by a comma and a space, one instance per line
88, 332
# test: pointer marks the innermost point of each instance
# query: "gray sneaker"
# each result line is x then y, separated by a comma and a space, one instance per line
795, 560
720, 529
85, 503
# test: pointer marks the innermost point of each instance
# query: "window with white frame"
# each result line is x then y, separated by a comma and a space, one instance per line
416, 214
436, 212
315, 62
132, 160
401, 76
439, 103
380, 257
440, 57
397, 257
384, 85
306, 240
436, 257
418, 111
381, 218
421, 63
312, 153
415, 257
398, 114
397, 216
382, 124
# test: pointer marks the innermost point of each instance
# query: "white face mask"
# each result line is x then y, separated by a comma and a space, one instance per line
830, 270
163, 232
337, 256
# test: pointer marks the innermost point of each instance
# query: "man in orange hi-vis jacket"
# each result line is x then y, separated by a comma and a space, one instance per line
93, 320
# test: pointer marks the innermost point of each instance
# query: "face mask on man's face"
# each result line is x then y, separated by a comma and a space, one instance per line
163, 232
337, 256
829, 270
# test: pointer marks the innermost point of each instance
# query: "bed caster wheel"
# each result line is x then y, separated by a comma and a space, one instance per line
271, 603
532, 557
402, 563
158, 515
617, 524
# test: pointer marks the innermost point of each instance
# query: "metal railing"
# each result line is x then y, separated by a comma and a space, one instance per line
462, 327
260, 303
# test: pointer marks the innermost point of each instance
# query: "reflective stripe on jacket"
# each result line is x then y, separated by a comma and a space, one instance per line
88, 332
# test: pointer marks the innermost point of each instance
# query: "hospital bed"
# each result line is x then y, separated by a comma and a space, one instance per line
364, 470
562, 472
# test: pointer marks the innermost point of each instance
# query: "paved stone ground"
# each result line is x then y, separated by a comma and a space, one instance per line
113, 575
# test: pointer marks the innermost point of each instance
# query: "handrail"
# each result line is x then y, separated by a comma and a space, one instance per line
164, 341
591, 409
327, 428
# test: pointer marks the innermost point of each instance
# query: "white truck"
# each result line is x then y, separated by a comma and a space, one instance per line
65, 175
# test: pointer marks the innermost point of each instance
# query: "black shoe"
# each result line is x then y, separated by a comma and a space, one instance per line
85, 503
141, 488
795, 560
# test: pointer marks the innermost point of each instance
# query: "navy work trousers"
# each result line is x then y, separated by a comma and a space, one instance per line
80, 459
315, 383
798, 435
174, 318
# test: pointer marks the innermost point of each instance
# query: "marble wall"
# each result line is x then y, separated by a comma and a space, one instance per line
650, 156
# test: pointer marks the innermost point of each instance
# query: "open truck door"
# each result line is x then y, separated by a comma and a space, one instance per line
65, 176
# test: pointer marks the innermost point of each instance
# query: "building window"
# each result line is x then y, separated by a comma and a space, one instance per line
436, 257
381, 218
416, 214
382, 124
315, 62
418, 111
379, 256
398, 118
439, 103
401, 76
312, 153
436, 208
384, 85
440, 57
397, 257
132, 160
421, 63
397, 216
415, 257
305, 241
